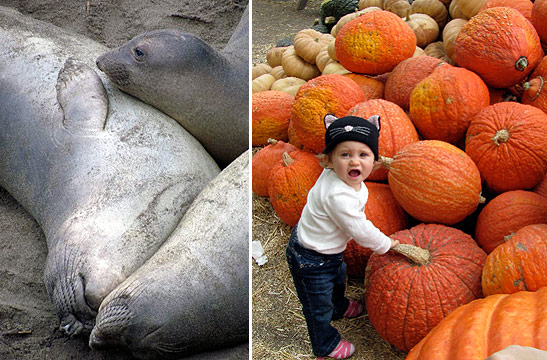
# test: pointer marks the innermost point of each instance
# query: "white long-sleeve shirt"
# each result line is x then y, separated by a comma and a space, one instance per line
334, 214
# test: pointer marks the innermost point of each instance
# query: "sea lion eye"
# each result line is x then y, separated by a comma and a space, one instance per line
138, 53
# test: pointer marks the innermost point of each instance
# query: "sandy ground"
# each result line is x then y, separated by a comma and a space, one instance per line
28, 326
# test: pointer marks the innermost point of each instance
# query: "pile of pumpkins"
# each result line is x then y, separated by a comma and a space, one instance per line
463, 154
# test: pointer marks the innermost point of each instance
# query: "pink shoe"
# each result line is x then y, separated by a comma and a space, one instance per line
354, 309
343, 350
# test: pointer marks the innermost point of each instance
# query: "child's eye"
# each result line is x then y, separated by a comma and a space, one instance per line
364, 154
344, 154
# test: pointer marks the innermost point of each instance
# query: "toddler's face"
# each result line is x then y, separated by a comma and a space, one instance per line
352, 161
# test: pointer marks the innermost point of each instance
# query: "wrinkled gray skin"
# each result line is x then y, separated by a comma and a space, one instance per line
192, 295
205, 90
106, 176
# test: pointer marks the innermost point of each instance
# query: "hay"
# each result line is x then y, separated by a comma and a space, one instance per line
278, 326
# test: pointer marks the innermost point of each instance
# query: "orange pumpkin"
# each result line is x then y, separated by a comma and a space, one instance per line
374, 43
484, 326
524, 6
519, 264
442, 104
396, 129
406, 75
539, 19
264, 161
507, 213
541, 188
271, 113
290, 181
334, 94
435, 181
535, 89
293, 138
372, 88
507, 142
500, 45
406, 296
386, 214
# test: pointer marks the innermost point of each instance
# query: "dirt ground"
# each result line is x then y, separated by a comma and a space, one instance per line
279, 328
28, 326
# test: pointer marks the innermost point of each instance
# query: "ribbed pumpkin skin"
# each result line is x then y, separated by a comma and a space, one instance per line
271, 113
523, 6
264, 161
506, 214
396, 129
374, 43
485, 326
334, 94
405, 300
435, 182
541, 188
536, 95
386, 214
493, 41
406, 75
442, 104
372, 88
507, 142
539, 18
289, 185
519, 264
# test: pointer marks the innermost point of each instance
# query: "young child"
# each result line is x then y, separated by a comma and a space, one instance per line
334, 214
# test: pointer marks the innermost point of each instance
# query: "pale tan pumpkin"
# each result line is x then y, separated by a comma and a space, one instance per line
436, 50
309, 42
363, 4
469, 8
278, 72
335, 67
433, 8
273, 56
260, 69
399, 7
295, 66
290, 85
419, 51
455, 12
450, 32
331, 49
425, 28
262, 83
323, 59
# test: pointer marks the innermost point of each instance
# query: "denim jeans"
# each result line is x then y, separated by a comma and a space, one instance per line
320, 282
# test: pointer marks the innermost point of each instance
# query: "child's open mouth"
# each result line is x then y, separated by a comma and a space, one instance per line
354, 173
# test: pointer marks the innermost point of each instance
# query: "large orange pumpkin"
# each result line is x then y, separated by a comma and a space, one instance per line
406, 75
406, 296
374, 43
271, 113
442, 104
484, 326
396, 129
264, 161
506, 214
539, 18
290, 181
535, 89
372, 88
500, 45
541, 188
519, 264
507, 142
334, 94
435, 181
524, 6
386, 214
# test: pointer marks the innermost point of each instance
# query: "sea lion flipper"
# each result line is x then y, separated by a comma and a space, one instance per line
82, 97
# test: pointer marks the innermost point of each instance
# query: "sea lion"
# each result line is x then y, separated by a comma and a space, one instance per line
192, 295
106, 176
205, 90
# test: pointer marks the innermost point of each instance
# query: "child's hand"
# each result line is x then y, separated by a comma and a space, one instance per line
393, 243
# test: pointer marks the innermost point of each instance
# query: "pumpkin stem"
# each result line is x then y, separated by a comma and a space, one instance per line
385, 161
501, 136
534, 87
272, 141
418, 255
506, 238
522, 63
287, 159
482, 199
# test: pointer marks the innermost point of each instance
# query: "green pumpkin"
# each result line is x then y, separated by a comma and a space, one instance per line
336, 9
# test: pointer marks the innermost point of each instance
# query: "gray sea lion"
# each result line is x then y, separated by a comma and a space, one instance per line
192, 295
106, 176
205, 90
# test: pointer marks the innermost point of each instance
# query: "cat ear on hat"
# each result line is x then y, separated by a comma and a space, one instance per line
329, 119
375, 120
